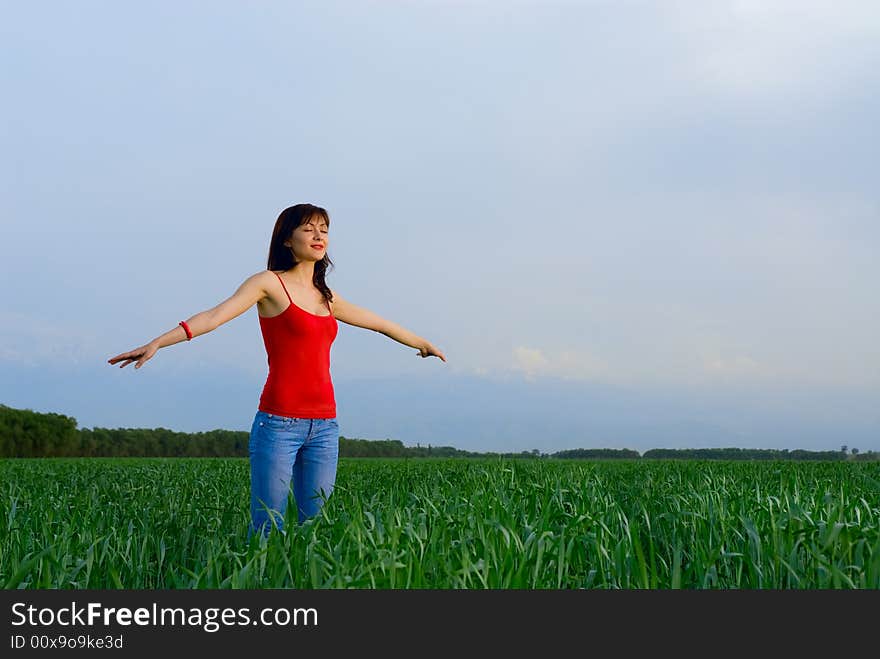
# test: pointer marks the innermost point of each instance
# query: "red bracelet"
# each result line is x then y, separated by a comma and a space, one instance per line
189, 334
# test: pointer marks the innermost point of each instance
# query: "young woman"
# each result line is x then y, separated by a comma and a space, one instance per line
294, 435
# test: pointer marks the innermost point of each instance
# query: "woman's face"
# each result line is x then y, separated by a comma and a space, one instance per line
309, 240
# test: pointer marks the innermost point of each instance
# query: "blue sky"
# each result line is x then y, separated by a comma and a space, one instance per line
626, 224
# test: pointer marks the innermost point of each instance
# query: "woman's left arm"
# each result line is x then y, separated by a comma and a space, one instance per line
351, 314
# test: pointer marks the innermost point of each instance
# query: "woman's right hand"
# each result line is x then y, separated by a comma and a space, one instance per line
140, 355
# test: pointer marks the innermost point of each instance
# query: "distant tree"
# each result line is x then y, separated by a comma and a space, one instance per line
596, 454
26, 434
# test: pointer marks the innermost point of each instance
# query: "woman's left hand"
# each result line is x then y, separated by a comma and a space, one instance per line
427, 349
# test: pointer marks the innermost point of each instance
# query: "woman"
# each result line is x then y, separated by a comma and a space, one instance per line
294, 434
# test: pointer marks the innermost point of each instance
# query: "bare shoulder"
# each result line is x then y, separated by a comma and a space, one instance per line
252, 290
337, 303
264, 279
268, 282
349, 313
337, 298
259, 286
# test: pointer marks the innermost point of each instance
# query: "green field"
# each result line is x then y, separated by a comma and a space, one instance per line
145, 523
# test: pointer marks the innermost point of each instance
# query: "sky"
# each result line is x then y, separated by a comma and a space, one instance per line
626, 224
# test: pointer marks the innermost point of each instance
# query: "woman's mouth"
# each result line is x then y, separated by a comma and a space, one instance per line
318, 246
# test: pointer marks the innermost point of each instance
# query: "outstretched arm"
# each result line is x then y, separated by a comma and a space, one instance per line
247, 295
352, 314
407, 338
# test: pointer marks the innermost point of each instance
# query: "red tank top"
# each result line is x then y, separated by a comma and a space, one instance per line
298, 352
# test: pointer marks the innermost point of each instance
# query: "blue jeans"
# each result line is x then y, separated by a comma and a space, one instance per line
282, 448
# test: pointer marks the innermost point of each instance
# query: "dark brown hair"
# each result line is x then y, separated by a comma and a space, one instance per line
281, 257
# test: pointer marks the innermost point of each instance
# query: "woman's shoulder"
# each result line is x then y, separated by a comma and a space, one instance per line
265, 276
265, 280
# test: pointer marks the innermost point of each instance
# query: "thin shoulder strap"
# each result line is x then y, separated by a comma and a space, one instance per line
283, 286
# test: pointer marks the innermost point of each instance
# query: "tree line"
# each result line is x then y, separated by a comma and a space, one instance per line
28, 434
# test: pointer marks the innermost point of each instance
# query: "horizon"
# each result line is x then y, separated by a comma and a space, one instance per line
844, 449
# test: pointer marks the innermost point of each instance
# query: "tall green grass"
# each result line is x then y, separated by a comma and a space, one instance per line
182, 523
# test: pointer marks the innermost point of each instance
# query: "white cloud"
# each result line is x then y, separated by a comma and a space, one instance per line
748, 46
33, 341
734, 365
706, 365
530, 361
566, 364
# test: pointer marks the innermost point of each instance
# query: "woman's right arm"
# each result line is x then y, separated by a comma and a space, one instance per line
248, 294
